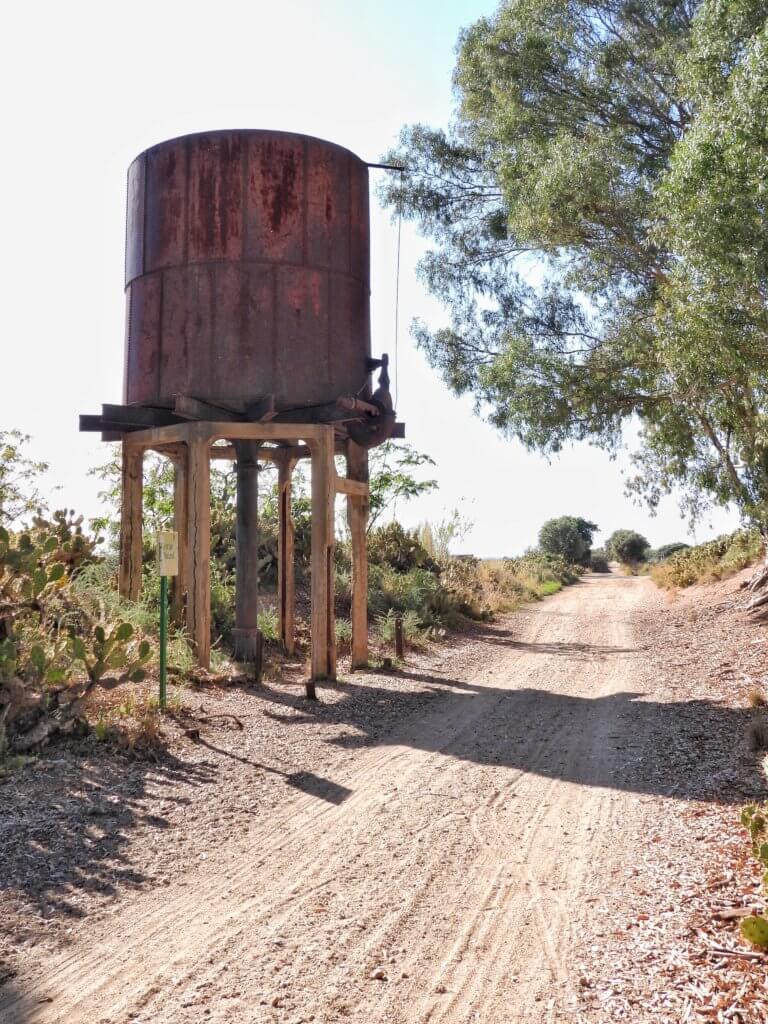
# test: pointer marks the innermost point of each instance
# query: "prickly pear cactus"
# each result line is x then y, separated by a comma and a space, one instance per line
755, 930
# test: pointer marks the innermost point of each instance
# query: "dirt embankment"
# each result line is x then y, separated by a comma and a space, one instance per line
459, 842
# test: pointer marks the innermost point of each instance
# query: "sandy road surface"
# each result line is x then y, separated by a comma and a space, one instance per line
457, 859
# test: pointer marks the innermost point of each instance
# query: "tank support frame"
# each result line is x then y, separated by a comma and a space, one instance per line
191, 446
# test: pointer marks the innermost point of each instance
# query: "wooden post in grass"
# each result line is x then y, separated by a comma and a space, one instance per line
399, 645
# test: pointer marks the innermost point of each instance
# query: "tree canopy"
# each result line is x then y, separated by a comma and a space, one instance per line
627, 546
595, 215
568, 536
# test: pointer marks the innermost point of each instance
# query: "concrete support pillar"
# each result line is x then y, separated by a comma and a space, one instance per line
247, 639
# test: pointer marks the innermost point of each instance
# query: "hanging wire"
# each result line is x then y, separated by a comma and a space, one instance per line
397, 290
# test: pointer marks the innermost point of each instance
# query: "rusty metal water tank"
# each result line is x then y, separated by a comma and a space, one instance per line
247, 270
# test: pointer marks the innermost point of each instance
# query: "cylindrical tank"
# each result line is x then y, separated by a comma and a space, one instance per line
247, 270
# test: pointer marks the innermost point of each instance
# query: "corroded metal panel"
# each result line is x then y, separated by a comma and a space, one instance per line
247, 264
166, 206
274, 210
215, 209
134, 236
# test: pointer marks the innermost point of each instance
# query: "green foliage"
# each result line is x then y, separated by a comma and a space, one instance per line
438, 538
627, 546
540, 567
621, 150
660, 554
413, 630
398, 548
570, 537
549, 588
105, 651
392, 479
599, 561
753, 818
714, 560
343, 629
19, 478
48, 639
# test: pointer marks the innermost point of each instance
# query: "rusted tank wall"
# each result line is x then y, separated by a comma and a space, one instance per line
247, 270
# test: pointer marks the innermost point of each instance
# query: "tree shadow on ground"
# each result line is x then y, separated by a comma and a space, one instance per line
66, 825
691, 749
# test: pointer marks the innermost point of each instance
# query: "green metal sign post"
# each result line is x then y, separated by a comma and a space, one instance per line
163, 640
168, 565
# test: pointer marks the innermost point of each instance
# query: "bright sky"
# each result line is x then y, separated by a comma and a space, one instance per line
89, 85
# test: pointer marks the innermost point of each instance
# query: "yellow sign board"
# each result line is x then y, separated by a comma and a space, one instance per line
167, 553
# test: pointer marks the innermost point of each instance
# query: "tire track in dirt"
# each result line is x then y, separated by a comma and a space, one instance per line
455, 865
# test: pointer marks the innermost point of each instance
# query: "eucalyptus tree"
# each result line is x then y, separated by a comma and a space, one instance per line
596, 213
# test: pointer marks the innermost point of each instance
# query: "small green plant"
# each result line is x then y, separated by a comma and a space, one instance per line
413, 630
105, 652
343, 632
753, 818
550, 587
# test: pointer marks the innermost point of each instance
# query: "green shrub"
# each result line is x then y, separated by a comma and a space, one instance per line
568, 537
413, 630
399, 549
343, 629
665, 551
627, 547
598, 561
717, 559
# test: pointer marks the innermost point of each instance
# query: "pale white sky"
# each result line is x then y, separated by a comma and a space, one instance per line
89, 85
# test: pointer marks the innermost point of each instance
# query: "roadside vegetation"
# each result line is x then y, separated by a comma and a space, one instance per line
706, 563
73, 653
620, 147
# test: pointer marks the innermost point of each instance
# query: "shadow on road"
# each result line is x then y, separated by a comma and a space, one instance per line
682, 749
69, 833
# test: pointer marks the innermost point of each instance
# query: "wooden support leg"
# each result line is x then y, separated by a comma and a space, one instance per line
323, 625
286, 578
246, 632
129, 583
357, 517
179, 583
199, 549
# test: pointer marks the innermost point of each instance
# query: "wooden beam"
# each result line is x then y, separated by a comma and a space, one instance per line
129, 577
194, 409
214, 431
357, 517
262, 410
286, 571
323, 625
199, 550
358, 488
222, 451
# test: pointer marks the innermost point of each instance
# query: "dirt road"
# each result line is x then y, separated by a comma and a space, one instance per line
446, 874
